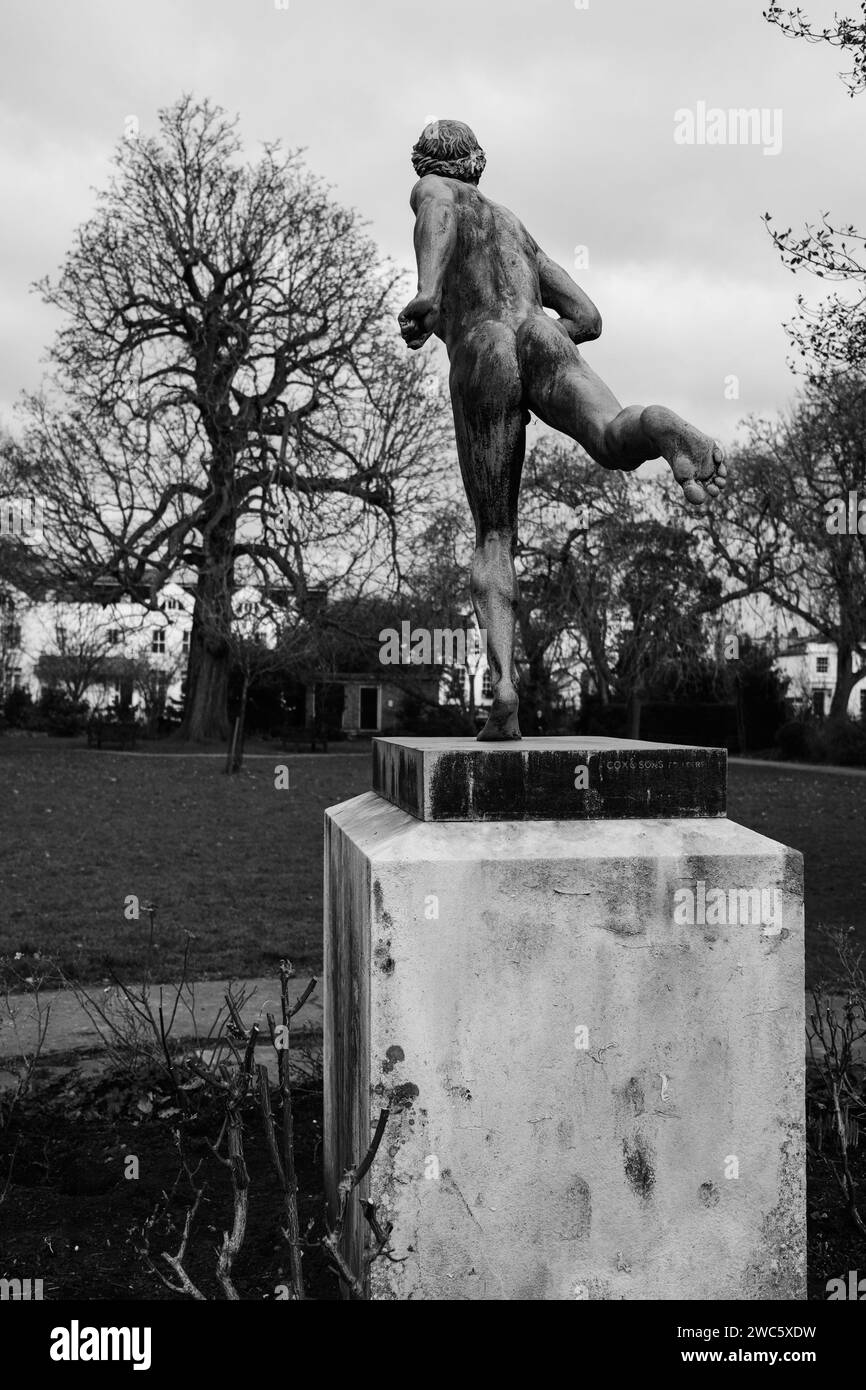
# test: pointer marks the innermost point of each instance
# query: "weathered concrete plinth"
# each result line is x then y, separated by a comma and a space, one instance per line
594, 1061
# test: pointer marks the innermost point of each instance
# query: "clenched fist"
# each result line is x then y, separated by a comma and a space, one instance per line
418, 320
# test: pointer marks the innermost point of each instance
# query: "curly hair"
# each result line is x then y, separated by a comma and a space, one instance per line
449, 148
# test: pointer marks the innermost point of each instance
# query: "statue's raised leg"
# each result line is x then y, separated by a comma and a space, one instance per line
566, 393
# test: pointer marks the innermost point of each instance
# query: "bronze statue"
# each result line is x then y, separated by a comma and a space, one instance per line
483, 286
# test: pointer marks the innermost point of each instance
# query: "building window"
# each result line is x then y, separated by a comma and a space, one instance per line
487, 686
184, 645
823, 665
818, 703
157, 642
172, 604
114, 636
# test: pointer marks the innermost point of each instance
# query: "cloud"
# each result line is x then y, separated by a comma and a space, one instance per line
574, 107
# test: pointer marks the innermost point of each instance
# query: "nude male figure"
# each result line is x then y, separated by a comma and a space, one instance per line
483, 286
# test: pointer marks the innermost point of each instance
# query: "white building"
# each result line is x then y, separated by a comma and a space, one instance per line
121, 653
810, 665
97, 646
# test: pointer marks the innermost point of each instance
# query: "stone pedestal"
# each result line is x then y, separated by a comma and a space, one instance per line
588, 1028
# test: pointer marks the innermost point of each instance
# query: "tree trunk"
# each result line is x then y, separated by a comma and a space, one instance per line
742, 737
632, 716
238, 752
205, 711
537, 692
596, 665
846, 679
205, 716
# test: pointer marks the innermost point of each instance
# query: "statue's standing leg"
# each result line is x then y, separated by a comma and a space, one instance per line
489, 421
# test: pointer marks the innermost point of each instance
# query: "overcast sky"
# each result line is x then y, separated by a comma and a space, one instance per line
574, 106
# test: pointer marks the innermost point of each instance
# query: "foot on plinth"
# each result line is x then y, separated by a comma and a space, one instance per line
697, 461
501, 723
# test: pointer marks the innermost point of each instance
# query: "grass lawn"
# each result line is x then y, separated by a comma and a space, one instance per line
230, 859
239, 864
824, 816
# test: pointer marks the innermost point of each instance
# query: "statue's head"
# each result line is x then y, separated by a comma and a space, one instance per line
449, 148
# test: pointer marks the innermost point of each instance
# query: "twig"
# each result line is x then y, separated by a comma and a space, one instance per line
234, 1239
332, 1241
186, 1285
292, 1230
838, 1042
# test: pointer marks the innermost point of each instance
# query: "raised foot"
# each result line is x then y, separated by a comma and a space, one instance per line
501, 724
697, 461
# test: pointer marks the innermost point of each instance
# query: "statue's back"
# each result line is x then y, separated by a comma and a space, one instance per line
492, 272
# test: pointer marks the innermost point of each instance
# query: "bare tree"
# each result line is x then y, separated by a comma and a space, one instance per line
564, 616
786, 533
78, 656
227, 353
151, 680
609, 580
832, 334
263, 639
844, 33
